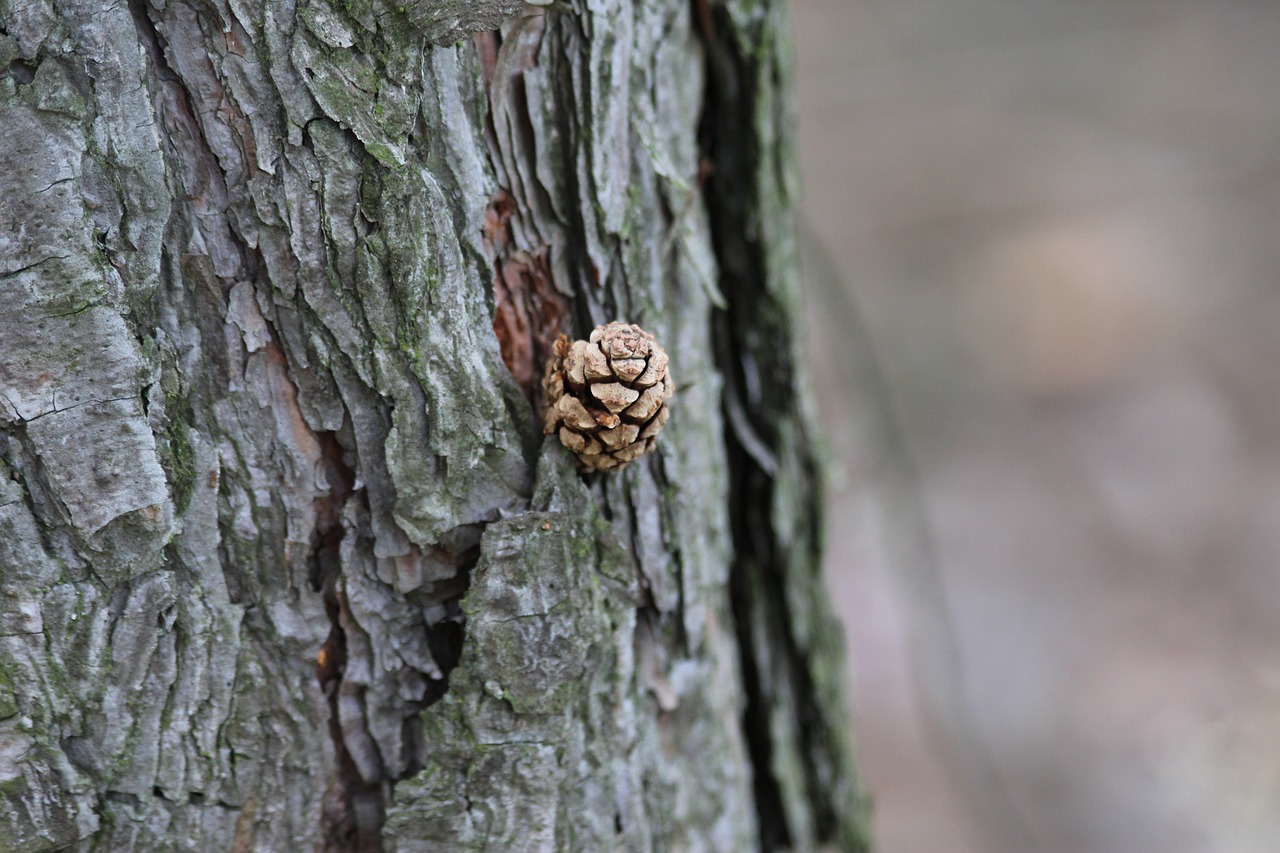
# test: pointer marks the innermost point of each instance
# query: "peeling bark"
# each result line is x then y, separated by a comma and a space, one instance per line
285, 562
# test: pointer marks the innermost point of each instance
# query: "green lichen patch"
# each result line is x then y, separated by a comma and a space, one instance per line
178, 460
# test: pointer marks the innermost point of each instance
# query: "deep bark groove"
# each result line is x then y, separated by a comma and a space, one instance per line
354, 807
763, 413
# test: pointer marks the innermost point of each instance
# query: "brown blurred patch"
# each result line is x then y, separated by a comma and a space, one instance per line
1073, 303
487, 44
529, 313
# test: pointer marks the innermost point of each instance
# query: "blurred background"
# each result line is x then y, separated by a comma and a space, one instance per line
1043, 241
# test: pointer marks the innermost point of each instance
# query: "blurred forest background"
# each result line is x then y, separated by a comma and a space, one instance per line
1059, 221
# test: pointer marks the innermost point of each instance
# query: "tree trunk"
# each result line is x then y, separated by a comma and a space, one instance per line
287, 563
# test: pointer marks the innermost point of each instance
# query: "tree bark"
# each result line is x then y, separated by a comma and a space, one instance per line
287, 563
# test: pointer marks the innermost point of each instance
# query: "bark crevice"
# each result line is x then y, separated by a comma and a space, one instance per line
788, 642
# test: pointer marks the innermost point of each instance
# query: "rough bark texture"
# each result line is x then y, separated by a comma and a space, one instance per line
286, 562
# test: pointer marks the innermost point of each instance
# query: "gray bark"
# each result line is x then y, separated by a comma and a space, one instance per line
286, 562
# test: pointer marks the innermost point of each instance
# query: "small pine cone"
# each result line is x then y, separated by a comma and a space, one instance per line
607, 397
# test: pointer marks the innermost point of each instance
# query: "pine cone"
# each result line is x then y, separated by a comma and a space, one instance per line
607, 397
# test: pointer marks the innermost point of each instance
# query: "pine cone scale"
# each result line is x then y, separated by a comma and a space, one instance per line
655, 371
629, 368
643, 409
614, 395
655, 425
